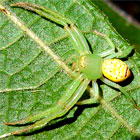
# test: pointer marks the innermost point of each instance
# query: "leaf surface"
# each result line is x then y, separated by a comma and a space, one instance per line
31, 81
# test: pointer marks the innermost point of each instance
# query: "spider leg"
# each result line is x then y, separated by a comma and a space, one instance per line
114, 85
77, 38
37, 125
44, 12
94, 95
113, 52
75, 35
61, 109
75, 97
33, 118
69, 91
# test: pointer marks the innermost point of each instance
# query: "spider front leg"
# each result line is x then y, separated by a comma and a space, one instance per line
114, 85
64, 107
68, 93
53, 16
40, 120
78, 40
94, 95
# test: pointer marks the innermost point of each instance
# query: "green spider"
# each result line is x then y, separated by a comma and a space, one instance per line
88, 68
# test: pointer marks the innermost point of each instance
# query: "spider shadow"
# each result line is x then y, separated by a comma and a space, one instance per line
63, 122
127, 81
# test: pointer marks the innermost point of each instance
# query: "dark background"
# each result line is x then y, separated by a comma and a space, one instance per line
132, 7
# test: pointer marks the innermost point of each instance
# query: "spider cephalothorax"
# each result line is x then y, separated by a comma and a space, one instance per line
90, 65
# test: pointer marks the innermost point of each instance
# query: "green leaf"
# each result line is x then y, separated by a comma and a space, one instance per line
31, 81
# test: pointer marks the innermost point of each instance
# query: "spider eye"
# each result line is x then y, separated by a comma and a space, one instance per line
116, 70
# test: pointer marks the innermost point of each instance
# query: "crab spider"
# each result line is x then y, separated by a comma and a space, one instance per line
88, 68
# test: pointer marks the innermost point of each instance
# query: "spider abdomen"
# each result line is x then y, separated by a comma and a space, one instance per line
90, 65
116, 70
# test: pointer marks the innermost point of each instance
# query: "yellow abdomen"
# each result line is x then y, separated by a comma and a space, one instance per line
115, 70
